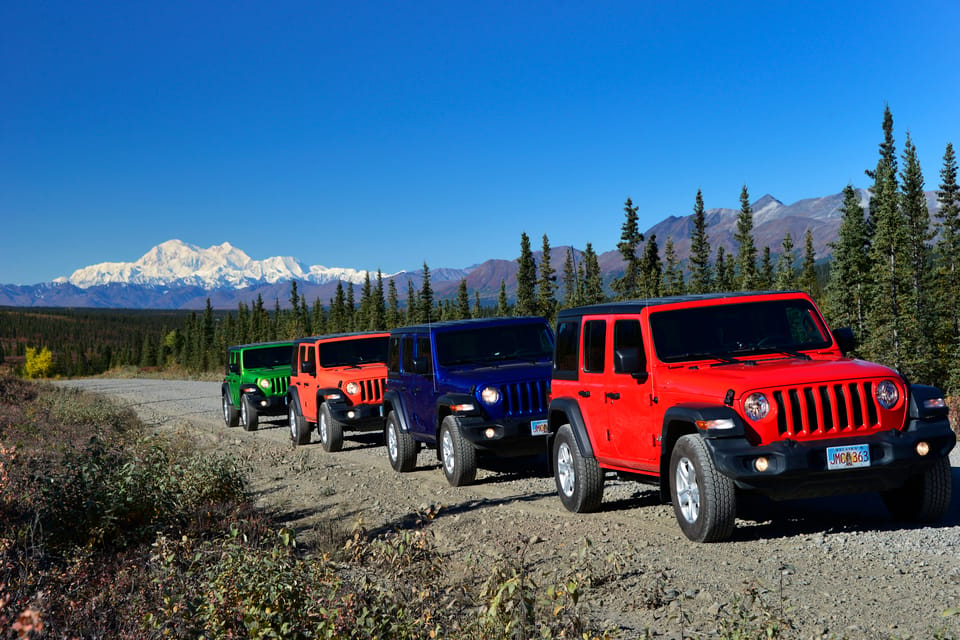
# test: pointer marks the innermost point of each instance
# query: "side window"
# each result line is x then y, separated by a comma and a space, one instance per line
628, 347
393, 354
407, 351
594, 338
423, 354
565, 359
306, 354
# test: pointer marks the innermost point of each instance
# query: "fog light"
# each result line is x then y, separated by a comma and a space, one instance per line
923, 448
490, 432
263, 403
761, 464
351, 414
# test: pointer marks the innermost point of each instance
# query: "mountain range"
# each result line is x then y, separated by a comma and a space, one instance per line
177, 275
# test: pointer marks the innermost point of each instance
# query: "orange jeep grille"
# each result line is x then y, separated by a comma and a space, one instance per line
524, 398
371, 391
826, 410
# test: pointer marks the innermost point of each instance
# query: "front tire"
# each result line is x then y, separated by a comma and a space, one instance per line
248, 414
299, 427
401, 448
230, 414
457, 454
704, 500
329, 430
923, 498
579, 480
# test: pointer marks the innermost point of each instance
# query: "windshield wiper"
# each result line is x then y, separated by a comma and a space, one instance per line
723, 358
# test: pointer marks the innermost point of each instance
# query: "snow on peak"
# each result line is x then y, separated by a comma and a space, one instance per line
175, 262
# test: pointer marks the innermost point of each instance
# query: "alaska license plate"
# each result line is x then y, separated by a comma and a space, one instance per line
848, 457
539, 428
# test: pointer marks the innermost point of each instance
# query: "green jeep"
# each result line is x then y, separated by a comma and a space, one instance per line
256, 382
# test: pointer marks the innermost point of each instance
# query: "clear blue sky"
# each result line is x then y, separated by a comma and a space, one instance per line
385, 134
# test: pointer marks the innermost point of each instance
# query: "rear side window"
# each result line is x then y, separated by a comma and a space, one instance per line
627, 339
568, 341
393, 355
406, 348
594, 340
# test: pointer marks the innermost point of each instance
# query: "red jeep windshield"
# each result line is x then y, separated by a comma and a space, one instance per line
743, 328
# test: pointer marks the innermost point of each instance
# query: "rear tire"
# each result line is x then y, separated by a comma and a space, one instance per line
230, 414
579, 479
923, 498
401, 447
299, 427
329, 430
457, 454
704, 500
248, 414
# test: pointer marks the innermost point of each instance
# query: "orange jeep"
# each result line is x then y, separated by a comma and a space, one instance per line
337, 385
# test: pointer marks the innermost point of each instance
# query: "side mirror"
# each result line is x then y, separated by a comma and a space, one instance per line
420, 366
845, 339
233, 368
627, 360
308, 367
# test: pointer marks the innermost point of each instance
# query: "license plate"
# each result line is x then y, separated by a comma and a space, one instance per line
848, 457
539, 428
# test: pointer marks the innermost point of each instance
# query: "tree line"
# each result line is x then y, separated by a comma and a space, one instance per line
893, 278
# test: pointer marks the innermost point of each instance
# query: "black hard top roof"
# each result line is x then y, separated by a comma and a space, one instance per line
475, 323
353, 334
634, 306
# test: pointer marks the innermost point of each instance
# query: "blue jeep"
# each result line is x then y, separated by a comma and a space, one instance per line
467, 388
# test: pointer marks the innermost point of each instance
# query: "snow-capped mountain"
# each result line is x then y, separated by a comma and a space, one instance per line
177, 263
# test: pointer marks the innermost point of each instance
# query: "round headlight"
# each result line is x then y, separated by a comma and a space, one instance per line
490, 395
887, 394
756, 406
264, 383
352, 388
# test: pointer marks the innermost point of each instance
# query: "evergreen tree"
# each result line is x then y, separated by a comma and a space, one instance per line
948, 269
673, 272
701, 280
463, 301
847, 288
808, 272
379, 320
338, 310
785, 277
365, 315
546, 284
628, 285
412, 312
526, 279
765, 274
651, 269
319, 321
393, 305
351, 310
592, 278
425, 301
723, 276
477, 309
503, 307
571, 283
746, 249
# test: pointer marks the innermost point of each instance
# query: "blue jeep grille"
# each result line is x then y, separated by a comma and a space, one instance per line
524, 398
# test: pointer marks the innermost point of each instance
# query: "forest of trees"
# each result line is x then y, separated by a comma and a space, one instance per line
893, 277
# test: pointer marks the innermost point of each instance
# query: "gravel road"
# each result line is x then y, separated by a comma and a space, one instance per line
836, 568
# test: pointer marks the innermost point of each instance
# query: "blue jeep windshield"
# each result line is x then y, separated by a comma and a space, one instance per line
266, 357
725, 331
352, 353
528, 342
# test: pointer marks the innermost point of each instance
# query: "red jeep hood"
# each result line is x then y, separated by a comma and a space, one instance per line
714, 381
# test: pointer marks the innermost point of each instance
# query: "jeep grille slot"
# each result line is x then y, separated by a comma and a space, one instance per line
524, 398
826, 409
278, 386
372, 390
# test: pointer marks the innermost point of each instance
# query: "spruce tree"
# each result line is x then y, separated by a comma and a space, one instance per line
379, 320
765, 275
808, 272
425, 301
477, 309
673, 271
393, 305
338, 310
651, 269
722, 277
948, 270
546, 283
592, 278
785, 276
463, 301
412, 312
846, 295
628, 285
746, 263
526, 279
571, 283
503, 306
701, 280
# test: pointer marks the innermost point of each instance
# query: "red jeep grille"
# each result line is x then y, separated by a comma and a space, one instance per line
371, 391
826, 410
525, 398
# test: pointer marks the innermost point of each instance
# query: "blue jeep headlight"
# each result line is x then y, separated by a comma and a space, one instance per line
490, 395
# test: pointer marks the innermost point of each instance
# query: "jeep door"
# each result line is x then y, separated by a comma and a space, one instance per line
416, 384
304, 377
592, 385
628, 389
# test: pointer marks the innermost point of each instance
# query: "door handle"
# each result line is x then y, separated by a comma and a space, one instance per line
583, 394
612, 395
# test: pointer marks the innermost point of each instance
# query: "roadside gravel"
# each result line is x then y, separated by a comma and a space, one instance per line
835, 568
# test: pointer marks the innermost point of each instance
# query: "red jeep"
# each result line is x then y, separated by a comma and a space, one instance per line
711, 395
337, 385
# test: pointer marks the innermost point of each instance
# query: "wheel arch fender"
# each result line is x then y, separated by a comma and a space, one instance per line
293, 399
225, 391
682, 419
566, 411
393, 402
